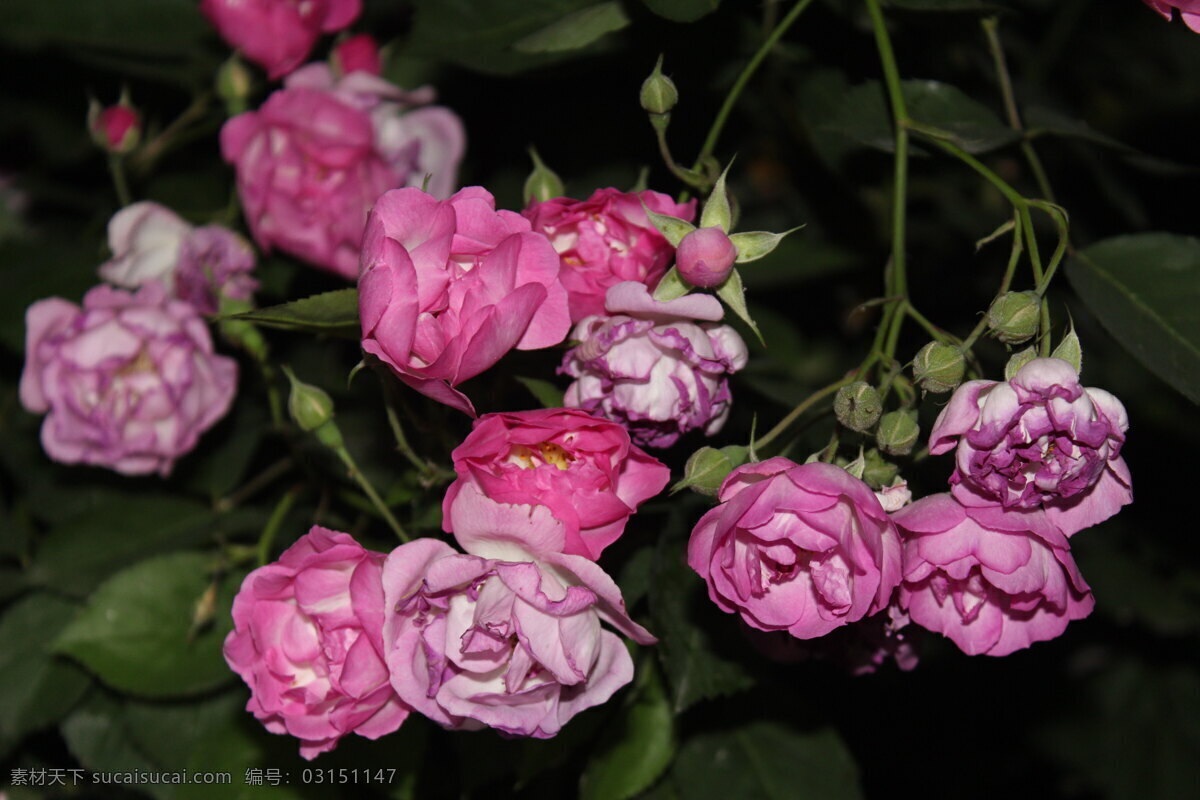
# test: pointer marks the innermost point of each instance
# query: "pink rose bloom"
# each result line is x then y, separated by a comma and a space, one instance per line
583, 468
1038, 441
659, 368
797, 548
129, 381
315, 157
605, 240
448, 287
201, 265
1189, 10
991, 579
517, 646
307, 639
278, 34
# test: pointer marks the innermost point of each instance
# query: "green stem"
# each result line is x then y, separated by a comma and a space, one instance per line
116, 167
370, 492
398, 430
252, 486
804, 405
1013, 259
891, 73
933, 330
275, 521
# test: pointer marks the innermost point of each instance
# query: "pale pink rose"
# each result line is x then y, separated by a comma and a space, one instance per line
660, 368
307, 639
128, 381
448, 287
605, 240
1189, 10
705, 257
278, 34
583, 468
797, 548
512, 645
1039, 440
991, 579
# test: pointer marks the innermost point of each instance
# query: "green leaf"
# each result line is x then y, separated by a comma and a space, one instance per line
136, 632
638, 749
216, 467
549, 395
753, 245
575, 30
1145, 289
163, 28
765, 761
1018, 360
734, 295
673, 229
671, 286
35, 269
37, 687
707, 467
118, 529
682, 10
717, 212
333, 312
96, 736
1070, 350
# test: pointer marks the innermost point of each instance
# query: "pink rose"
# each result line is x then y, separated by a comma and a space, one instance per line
605, 240
357, 54
516, 646
150, 242
448, 287
797, 548
583, 468
1189, 10
130, 381
992, 580
653, 367
315, 157
278, 34
1038, 441
705, 257
307, 639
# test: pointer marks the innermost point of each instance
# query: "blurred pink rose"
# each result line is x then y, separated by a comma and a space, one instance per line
605, 240
991, 579
201, 265
448, 287
129, 381
1189, 10
659, 368
705, 257
1039, 440
797, 548
307, 639
319, 152
357, 54
516, 646
278, 34
583, 468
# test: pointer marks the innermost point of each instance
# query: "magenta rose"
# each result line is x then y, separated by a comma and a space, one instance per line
797, 548
605, 240
1039, 440
448, 287
1189, 10
512, 645
583, 468
660, 368
307, 639
128, 381
991, 579
278, 34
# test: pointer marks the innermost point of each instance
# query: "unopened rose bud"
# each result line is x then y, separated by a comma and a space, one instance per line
879, 472
234, 84
1013, 317
898, 432
308, 405
116, 129
357, 54
705, 257
659, 94
857, 406
543, 183
938, 367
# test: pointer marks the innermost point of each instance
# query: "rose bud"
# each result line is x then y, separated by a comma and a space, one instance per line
858, 406
116, 129
1013, 316
938, 367
705, 257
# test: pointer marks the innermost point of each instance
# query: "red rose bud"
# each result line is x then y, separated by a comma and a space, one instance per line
116, 129
357, 54
705, 257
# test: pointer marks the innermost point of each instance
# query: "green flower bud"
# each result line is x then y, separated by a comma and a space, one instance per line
309, 405
898, 432
878, 472
234, 84
1013, 317
543, 183
938, 367
858, 406
659, 94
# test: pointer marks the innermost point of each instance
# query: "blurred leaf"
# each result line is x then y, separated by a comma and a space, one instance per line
333, 312
575, 30
35, 269
169, 732
682, 10
635, 751
1145, 289
37, 687
1040, 120
969, 6
96, 737
119, 529
549, 395
765, 761
159, 27
136, 630
216, 467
